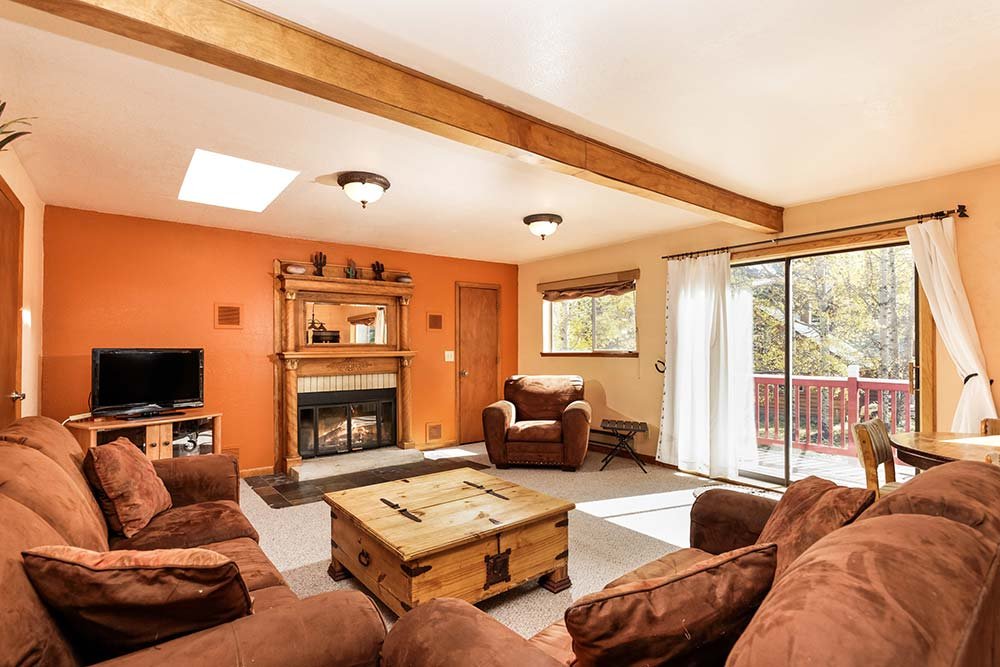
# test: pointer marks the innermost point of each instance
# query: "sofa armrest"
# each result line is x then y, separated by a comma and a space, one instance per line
576, 432
497, 418
196, 479
723, 520
447, 632
338, 629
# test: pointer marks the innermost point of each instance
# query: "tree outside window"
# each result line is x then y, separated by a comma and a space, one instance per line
593, 324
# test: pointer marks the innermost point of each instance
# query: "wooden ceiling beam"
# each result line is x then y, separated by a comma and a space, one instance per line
244, 39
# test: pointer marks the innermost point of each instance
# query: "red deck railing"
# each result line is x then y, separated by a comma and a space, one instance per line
826, 408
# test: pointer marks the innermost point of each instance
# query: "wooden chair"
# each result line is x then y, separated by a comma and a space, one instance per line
990, 427
874, 449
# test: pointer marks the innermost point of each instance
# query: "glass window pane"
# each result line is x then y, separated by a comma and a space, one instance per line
572, 325
388, 414
765, 284
614, 323
364, 425
854, 315
332, 429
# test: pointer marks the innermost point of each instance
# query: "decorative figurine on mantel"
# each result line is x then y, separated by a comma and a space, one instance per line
319, 261
351, 270
378, 268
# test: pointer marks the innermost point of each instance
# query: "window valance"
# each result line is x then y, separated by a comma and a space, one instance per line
606, 284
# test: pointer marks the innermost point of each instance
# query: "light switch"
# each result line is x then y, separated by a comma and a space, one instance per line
449, 355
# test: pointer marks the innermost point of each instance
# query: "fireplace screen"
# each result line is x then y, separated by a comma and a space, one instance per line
342, 421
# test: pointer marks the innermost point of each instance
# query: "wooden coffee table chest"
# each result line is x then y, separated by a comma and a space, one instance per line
460, 533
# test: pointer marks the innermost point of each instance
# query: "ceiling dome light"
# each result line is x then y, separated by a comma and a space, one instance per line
363, 187
543, 224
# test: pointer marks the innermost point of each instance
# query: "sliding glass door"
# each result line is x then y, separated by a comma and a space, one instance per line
766, 284
841, 330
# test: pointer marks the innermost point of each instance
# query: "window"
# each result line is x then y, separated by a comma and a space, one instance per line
603, 324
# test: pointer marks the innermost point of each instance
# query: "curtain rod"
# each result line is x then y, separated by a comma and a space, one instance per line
959, 211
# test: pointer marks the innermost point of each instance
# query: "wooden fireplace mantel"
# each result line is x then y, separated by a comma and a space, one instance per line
352, 353
295, 357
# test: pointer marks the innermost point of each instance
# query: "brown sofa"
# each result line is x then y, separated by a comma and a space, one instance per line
915, 580
543, 420
45, 500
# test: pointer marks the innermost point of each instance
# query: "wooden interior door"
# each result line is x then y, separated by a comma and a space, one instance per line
477, 356
11, 266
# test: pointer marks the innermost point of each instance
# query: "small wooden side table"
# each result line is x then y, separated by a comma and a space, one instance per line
625, 432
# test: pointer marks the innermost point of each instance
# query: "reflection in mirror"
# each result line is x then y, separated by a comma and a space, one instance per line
345, 323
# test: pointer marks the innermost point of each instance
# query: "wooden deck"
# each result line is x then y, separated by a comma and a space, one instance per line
844, 470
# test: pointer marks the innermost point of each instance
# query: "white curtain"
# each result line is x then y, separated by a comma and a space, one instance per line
706, 423
936, 258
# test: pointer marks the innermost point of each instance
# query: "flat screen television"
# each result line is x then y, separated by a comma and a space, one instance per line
146, 381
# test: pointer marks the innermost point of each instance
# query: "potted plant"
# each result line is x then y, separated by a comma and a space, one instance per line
9, 131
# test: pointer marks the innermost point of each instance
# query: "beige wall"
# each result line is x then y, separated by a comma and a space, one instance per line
632, 389
31, 335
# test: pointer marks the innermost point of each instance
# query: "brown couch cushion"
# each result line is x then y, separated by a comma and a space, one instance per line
810, 509
41, 485
557, 642
191, 526
197, 479
272, 597
963, 491
126, 486
542, 396
336, 629
29, 634
117, 602
698, 611
255, 568
56, 443
668, 565
446, 632
543, 453
536, 430
896, 590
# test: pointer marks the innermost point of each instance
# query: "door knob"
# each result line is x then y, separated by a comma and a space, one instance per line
18, 395
463, 373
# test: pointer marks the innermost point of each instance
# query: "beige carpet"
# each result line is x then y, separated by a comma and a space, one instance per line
623, 519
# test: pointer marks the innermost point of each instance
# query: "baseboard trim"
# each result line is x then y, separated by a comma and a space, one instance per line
427, 446
253, 472
646, 458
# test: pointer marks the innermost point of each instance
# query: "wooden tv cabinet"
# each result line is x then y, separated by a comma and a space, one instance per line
155, 435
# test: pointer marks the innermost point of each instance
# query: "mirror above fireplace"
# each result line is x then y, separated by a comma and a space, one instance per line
345, 323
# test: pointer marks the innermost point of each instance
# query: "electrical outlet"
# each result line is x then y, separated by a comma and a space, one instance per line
449, 356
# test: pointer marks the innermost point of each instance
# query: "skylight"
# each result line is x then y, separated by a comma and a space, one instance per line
231, 182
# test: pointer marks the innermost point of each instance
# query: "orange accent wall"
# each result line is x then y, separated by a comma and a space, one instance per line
118, 281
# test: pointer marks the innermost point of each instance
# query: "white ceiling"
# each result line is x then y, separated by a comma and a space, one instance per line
787, 101
118, 123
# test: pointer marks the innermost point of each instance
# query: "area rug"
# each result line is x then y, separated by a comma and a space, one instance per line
280, 491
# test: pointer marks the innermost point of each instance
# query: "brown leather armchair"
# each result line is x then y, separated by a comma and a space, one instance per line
543, 420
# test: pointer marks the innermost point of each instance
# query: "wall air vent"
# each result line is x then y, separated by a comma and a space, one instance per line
435, 321
434, 432
228, 316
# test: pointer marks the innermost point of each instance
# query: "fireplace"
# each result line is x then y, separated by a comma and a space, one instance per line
335, 422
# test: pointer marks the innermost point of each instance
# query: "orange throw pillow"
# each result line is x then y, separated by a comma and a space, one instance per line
127, 487
117, 602
699, 612
810, 509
